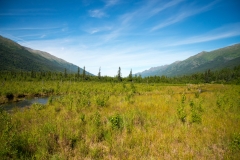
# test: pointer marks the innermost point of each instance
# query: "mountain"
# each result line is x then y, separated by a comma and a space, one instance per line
14, 57
227, 57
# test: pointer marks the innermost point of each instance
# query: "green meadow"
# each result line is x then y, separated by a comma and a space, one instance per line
108, 120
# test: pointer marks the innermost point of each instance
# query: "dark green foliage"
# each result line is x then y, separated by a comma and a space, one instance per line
16, 146
14, 57
133, 88
235, 143
84, 73
227, 76
130, 77
183, 98
101, 100
119, 75
197, 94
182, 113
97, 130
78, 73
65, 72
99, 73
116, 121
195, 113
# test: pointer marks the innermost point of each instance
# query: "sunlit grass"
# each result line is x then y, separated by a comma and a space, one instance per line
124, 121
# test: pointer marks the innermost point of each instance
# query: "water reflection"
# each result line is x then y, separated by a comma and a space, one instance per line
24, 103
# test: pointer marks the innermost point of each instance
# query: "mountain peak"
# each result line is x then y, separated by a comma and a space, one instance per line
217, 59
14, 57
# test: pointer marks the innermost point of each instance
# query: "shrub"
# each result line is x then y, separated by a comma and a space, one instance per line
101, 101
197, 94
196, 117
116, 121
182, 115
96, 128
235, 143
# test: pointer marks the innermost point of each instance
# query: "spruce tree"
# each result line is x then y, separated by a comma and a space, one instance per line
99, 73
78, 73
119, 75
130, 76
84, 72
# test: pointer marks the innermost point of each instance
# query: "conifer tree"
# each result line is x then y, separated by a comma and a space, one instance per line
78, 73
130, 76
84, 72
99, 73
119, 75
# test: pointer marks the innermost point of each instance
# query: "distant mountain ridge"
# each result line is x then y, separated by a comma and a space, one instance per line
14, 57
213, 60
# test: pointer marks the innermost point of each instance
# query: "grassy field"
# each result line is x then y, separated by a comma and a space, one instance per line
91, 120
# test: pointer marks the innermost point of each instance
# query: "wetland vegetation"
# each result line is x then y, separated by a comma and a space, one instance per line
121, 120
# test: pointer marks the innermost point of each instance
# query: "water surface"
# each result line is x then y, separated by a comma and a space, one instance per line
24, 103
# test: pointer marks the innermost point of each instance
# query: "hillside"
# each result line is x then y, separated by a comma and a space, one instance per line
14, 57
227, 57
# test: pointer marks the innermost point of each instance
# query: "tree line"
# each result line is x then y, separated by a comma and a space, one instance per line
227, 75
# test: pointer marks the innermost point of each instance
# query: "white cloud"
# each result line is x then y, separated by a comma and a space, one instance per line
97, 13
124, 41
147, 10
108, 57
100, 13
183, 15
93, 30
127, 22
111, 2
226, 31
158, 9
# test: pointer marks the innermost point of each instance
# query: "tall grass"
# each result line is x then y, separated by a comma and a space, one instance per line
124, 121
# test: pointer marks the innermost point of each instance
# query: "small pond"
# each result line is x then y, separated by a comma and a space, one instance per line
24, 103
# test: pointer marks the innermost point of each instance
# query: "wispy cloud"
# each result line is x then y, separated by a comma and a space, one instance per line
158, 9
183, 15
172, 20
93, 30
146, 11
111, 2
97, 13
100, 13
227, 31
129, 37
129, 21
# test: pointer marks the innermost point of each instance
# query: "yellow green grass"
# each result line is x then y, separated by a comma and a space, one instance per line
91, 120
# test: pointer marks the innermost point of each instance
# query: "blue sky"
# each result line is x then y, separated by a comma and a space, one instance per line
132, 34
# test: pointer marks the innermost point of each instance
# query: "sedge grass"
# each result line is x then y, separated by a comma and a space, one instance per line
131, 121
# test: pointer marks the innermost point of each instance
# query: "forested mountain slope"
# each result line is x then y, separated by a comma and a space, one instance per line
14, 57
227, 57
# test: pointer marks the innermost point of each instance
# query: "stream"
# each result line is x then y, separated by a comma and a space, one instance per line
24, 103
